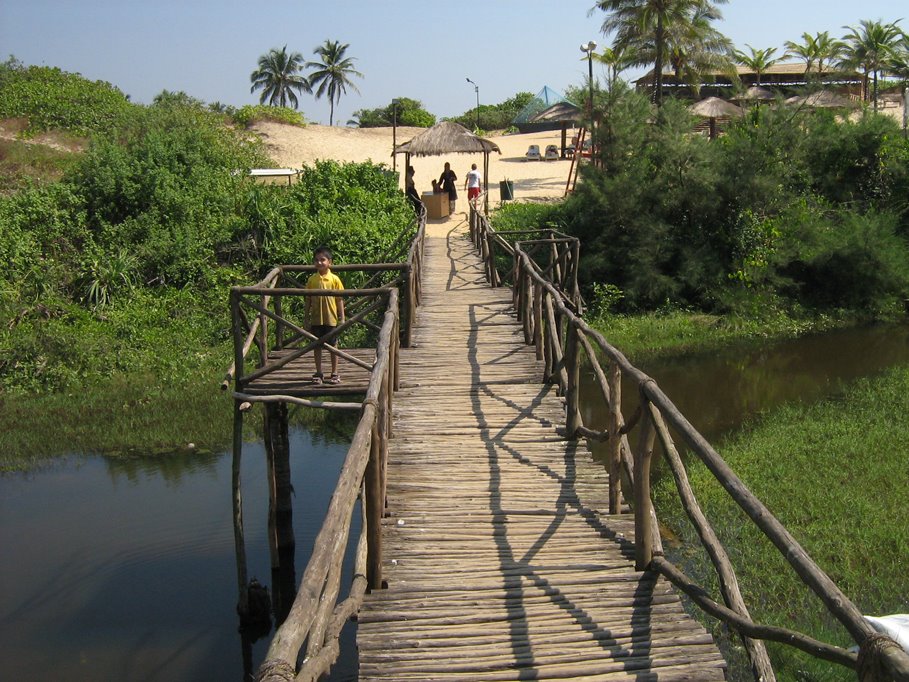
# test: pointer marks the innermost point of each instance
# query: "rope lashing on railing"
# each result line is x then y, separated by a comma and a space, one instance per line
872, 650
276, 671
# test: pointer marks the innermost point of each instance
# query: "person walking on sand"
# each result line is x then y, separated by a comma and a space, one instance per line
447, 181
472, 182
324, 312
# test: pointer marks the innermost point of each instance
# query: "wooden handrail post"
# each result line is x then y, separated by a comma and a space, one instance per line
615, 437
237, 329
643, 525
538, 319
383, 419
573, 365
239, 538
472, 224
493, 273
396, 357
262, 338
373, 479
548, 355
526, 308
408, 303
575, 262
515, 279
279, 323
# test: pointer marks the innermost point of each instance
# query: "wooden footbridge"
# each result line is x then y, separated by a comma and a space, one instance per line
494, 547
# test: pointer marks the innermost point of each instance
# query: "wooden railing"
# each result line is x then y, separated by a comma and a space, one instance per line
565, 342
316, 617
267, 318
254, 307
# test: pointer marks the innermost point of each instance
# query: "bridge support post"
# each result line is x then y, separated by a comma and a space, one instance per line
538, 320
615, 438
239, 538
572, 365
374, 509
643, 524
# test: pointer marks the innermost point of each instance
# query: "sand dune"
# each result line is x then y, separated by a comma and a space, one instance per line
294, 147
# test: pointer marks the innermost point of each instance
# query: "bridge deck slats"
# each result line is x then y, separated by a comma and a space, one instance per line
499, 563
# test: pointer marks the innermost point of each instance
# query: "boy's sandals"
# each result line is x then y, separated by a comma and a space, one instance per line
317, 378
333, 379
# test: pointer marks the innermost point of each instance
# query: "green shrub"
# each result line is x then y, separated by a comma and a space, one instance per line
246, 115
355, 208
406, 112
798, 210
51, 99
124, 264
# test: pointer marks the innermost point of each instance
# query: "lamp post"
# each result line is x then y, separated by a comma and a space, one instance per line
394, 134
589, 48
476, 89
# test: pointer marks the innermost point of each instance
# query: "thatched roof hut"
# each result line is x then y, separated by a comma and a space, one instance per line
561, 112
558, 112
756, 93
448, 137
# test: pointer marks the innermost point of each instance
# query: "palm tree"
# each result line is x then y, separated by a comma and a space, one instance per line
332, 74
758, 61
898, 65
278, 76
616, 60
868, 47
815, 51
648, 24
695, 47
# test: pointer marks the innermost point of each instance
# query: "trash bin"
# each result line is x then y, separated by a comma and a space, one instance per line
506, 190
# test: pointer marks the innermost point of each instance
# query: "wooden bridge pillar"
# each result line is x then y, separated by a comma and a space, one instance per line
643, 524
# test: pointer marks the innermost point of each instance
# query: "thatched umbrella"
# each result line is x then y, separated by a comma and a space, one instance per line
713, 108
756, 93
448, 137
561, 112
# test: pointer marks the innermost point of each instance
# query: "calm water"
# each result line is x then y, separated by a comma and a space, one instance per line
717, 393
126, 569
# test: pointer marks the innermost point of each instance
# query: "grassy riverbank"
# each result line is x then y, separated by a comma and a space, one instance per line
127, 415
675, 332
835, 474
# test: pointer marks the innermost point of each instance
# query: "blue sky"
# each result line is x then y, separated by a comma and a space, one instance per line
404, 48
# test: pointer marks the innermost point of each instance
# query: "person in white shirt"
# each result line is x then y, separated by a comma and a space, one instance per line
472, 182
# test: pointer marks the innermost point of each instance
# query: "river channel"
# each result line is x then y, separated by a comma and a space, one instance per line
126, 569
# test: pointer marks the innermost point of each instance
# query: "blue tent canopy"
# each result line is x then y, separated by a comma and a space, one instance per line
544, 99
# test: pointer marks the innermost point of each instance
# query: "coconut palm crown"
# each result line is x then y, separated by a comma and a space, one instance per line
649, 26
869, 47
279, 78
332, 74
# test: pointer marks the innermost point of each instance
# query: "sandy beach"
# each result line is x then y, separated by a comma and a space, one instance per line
294, 147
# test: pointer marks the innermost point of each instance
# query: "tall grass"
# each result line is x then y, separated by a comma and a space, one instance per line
835, 473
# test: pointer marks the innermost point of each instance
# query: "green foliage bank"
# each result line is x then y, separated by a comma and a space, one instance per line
791, 211
123, 264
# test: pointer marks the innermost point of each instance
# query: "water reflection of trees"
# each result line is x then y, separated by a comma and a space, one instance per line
173, 467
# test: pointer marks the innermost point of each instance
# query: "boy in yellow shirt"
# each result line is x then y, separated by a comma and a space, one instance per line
324, 312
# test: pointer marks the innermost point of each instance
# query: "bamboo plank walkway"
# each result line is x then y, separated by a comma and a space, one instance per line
498, 564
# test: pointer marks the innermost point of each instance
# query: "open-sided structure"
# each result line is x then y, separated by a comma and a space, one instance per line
448, 137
